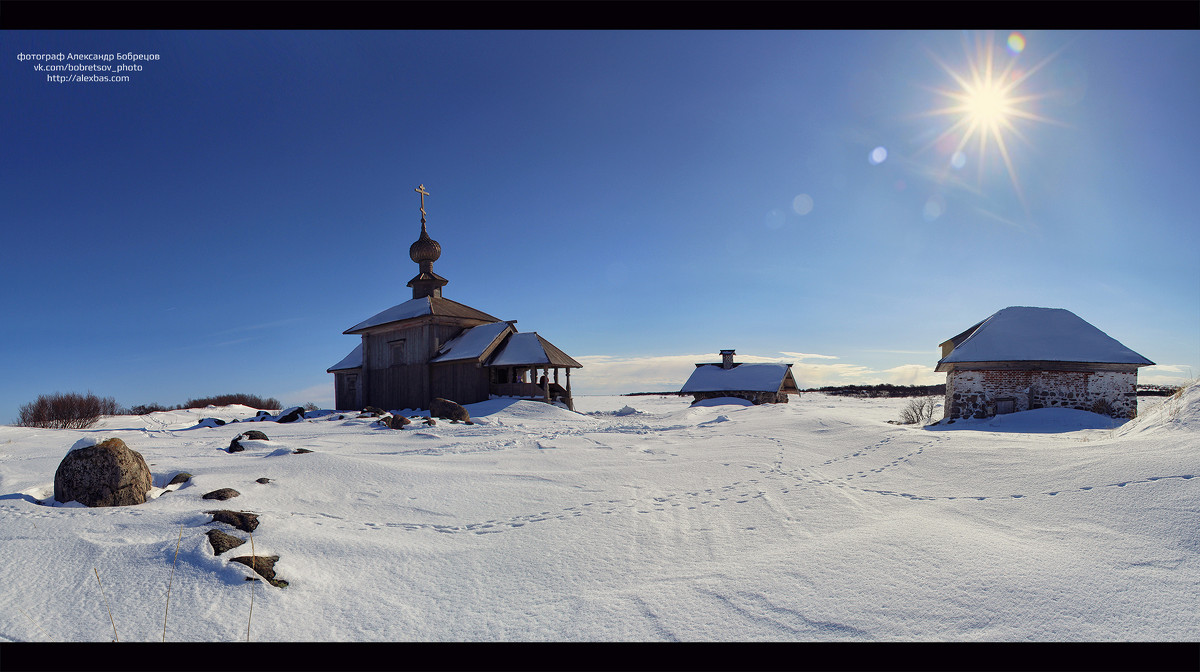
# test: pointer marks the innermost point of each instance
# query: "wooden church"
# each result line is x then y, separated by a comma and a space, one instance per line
430, 347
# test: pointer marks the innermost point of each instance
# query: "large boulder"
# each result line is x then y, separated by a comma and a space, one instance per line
108, 473
449, 410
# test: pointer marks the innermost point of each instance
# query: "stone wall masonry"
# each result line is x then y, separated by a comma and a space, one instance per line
974, 393
755, 398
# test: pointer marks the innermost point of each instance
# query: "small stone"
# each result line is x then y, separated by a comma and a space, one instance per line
222, 494
444, 408
181, 477
263, 565
222, 542
291, 415
301, 451
246, 522
263, 480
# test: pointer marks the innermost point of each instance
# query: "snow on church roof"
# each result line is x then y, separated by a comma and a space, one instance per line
473, 343
425, 305
530, 349
1022, 333
741, 378
350, 361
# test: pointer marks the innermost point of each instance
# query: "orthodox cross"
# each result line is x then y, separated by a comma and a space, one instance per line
421, 190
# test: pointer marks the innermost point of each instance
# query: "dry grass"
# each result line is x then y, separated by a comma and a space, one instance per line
253, 562
170, 581
35, 623
110, 616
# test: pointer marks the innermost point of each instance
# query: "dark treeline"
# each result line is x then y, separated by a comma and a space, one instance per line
1157, 390
882, 390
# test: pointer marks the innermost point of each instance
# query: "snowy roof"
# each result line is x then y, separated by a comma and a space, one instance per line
350, 361
425, 305
529, 348
741, 378
474, 343
1022, 333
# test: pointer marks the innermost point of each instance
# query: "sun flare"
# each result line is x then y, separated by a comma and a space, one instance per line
986, 105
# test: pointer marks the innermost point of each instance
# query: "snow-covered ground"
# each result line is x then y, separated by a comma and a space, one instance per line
640, 518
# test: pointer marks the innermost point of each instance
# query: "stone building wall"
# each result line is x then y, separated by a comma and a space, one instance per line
977, 393
753, 397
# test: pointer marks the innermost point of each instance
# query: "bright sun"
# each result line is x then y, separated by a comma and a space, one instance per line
985, 103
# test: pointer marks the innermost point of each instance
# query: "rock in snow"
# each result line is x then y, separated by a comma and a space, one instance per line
106, 474
444, 408
222, 542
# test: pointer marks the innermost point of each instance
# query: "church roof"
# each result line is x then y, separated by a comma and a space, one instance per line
766, 377
353, 360
425, 305
1023, 333
531, 349
474, 343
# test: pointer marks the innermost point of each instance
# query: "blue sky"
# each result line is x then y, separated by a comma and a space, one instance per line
640, 198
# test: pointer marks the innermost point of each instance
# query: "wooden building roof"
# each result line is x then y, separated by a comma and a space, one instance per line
420, 307
530, 349
741, 377
353, 360
476, 343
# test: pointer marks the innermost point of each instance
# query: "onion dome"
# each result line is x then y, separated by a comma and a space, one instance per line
425, 249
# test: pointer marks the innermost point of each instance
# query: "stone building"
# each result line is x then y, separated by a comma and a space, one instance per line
1023, 358
430, 347
767, 383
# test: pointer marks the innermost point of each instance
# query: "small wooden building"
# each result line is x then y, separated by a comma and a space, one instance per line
767, 383
430, 347
1024, 358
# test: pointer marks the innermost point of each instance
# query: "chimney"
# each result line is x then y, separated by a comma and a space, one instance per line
727, 359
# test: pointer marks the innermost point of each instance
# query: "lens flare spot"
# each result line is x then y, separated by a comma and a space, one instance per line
958, 160
775, 219
934, 207
901, 185
1016, 42
802, 204
877, 156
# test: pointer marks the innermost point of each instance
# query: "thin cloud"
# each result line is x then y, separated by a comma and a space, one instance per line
609, 374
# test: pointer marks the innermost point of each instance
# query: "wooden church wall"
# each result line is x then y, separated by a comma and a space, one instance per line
464, 383
398, 376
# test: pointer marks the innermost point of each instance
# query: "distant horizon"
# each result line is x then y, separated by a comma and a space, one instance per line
841, 200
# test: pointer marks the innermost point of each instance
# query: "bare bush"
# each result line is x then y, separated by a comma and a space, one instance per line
919, 411
66, 411
253, 401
